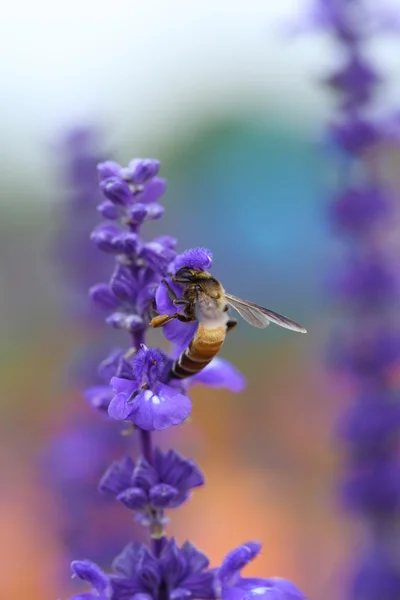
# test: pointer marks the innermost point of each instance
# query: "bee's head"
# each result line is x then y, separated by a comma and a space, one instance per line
187, 275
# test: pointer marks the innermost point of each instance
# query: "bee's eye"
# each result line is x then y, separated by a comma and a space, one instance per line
183, 275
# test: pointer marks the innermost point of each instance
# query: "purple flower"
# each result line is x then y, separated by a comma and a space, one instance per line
355, 81
234, 587
220, 373
371, 425
367, 281
91, 573
152, 191
99, 396
374, 488
142, 169
141, 486
146, 399
179, 572
377, 578
357, 210
108, 168
367, 287
116, 190
369, 355
354, 134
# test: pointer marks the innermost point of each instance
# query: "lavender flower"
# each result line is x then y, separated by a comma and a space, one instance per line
140, 389
82, 444
180, 573
366, 284
234, 587
147, 488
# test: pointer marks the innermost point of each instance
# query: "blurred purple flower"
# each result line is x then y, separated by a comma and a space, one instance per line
366, 284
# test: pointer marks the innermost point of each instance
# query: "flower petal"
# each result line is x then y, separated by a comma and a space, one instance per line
163, 495
118, 476
133, 498
220, 373
120, 407
153, 190
235, 561
160, 409
199, 259
90, 572
177, 471
180, 334
99, 396
196, 560
288, 589
163, 303
123, 386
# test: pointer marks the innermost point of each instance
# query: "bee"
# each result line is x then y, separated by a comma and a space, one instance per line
205, 301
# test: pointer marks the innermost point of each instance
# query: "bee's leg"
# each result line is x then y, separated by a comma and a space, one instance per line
180, 301
231, 324
161, 320
172, 295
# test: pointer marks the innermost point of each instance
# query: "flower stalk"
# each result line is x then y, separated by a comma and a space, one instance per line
140, 389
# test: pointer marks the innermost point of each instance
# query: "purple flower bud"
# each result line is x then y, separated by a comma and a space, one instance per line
104, 236
107, 169
152, 191
108, 210
355, 81
138, 213
154, 211
117, 190
158, 254
123, 284
125, 243
357, 210
121, 320
134, 323
133, 498
162, 495
103, 296
354, 135
143, 169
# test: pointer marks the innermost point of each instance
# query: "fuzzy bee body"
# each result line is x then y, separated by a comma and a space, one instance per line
205, 301
205, 344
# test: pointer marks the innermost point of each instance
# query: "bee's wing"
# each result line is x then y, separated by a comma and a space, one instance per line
259, 316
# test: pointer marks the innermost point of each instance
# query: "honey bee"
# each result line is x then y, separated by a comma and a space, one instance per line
205, 301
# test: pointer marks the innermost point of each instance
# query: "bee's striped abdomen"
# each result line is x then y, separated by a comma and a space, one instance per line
200, 352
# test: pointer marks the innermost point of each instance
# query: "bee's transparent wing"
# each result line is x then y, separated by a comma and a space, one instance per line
258, 316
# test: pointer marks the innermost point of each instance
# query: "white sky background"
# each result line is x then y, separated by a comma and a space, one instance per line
154, 65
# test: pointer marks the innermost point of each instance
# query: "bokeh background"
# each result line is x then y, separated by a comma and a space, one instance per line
233, 108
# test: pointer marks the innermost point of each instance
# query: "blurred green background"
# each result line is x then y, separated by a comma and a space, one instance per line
232, 108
